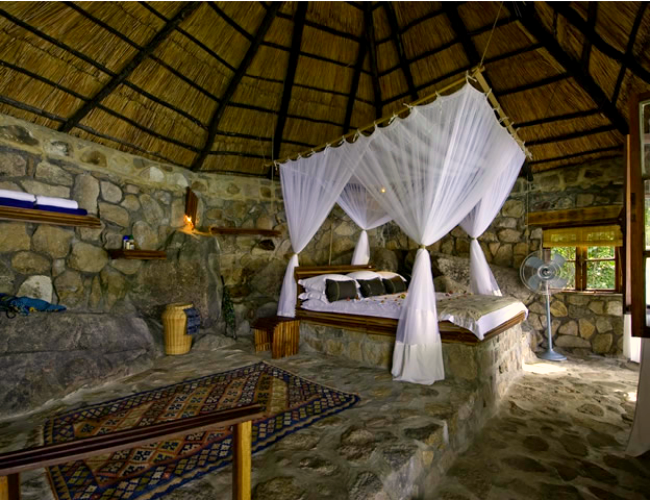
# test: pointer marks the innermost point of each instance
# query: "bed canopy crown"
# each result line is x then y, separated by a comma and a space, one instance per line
446, 163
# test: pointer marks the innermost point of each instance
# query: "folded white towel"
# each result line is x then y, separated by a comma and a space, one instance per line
57, 202
17, 195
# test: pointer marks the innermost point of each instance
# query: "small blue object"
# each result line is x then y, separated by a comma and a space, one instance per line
24, 305
193, 320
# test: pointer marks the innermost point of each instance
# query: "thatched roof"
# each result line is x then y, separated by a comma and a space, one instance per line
227, 86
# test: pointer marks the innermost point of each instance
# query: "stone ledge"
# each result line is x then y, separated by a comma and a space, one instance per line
49, 355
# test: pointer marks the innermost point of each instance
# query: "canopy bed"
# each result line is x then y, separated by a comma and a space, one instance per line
447, 163
483, 317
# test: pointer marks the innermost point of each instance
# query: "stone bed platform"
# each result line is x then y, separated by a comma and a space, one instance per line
397, 443
489, 365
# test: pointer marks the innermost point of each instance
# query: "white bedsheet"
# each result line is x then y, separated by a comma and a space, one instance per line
453, 308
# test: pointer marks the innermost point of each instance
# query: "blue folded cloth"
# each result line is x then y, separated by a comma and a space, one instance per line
25, 305
193, 320
73, 211
10, 202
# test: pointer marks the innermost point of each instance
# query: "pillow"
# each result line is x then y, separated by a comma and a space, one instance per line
312, 295
444, 284
363, 275
318, 283
394, 285
340, 290
388, 275
372, 288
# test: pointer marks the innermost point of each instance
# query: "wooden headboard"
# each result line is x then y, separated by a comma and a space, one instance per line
304, 272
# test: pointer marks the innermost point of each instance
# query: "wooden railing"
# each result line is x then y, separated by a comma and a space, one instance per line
15, 462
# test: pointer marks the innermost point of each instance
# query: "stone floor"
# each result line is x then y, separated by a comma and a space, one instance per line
397, 442
560, 433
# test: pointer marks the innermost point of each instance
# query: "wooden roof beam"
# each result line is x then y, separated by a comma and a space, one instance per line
559, 118
126, 71
572, 135
629, 50
397, 40
577, 155
597, 41
531, 22
294, 55
533, 85
372, 51
451, 9
354, 87
592, 14
234, 82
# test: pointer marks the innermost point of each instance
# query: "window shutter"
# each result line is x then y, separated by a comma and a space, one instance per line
592, 236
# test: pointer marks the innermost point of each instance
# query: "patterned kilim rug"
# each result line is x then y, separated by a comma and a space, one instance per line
149, 472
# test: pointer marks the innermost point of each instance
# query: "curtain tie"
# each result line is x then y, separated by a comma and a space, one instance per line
472, 238
422, 247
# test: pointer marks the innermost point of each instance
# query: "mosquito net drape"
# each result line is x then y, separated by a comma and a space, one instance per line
428, 171
479, 219
310, 188
366, 213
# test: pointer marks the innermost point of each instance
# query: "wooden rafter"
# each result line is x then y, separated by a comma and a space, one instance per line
369, 25
572, 135
577, 155
234, 82
397, 40
558, 118
127, 70
531, 22
354, 86
533, 85
597, 41
296, 42
592, 15
629, 50
451, 9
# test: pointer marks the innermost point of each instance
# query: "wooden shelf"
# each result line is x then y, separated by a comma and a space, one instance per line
138, 254
242, 231
45, 217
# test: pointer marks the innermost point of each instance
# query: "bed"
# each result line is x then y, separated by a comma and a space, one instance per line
466, 319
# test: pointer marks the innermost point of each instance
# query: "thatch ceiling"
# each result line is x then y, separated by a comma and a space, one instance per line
226, 86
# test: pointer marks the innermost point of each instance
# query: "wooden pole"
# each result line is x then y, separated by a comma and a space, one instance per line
10, 487
241, 480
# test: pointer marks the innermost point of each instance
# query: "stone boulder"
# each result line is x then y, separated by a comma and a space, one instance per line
457, 268
46, 356
190, 273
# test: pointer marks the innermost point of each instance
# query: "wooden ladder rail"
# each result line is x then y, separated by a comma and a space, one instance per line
15, 462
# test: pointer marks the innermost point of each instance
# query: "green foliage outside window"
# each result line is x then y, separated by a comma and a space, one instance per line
568, 271
601, 275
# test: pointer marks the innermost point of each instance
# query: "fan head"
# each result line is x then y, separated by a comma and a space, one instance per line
542, 275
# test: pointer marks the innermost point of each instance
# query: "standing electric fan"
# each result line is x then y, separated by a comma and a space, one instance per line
542, 276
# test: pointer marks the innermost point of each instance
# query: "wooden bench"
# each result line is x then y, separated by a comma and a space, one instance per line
15, 462
278, 334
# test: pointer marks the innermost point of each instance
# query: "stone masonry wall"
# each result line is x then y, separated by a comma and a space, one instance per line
146, 199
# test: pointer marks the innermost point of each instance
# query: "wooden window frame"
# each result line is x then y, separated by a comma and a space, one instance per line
581, 261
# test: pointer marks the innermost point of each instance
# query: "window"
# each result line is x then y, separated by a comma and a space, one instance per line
592, 255
590, 268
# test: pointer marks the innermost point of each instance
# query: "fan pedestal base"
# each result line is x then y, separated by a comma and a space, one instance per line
551, 355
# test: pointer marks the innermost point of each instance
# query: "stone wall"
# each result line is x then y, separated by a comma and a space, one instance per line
488, 366
146, 199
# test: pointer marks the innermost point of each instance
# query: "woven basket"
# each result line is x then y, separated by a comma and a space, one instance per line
175, 323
